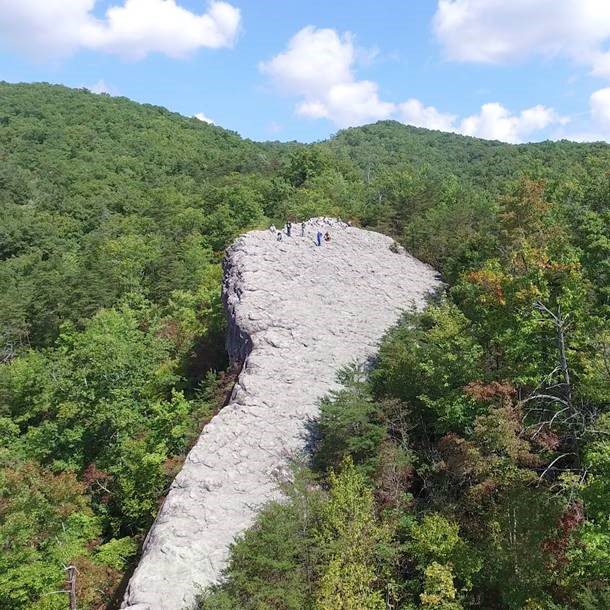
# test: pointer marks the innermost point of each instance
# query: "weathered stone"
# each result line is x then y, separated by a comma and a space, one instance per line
297, 313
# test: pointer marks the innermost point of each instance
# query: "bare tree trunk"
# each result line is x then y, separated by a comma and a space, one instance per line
72, 586
574, 418
561, 341
560, 323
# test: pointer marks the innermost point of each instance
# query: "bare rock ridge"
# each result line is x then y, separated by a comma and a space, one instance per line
297, 313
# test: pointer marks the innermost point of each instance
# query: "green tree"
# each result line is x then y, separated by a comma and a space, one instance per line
439, 591
349, 537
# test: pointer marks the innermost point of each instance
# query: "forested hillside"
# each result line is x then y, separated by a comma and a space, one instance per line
485, 163
472, 466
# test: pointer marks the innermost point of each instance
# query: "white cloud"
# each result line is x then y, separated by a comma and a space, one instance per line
597, 128
204, 118
599, 103
593, 126
348, 104
318, 66
101, 87
601, 64
492, 122
313, 62
44, 27
140, 27
413, 112
495, 122
499, 31
57, 28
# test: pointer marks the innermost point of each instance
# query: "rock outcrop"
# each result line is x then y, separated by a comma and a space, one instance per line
297, 313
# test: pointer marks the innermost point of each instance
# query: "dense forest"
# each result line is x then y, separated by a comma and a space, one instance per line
469, 469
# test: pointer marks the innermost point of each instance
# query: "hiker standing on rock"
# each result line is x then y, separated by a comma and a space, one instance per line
288, 228
279, 236
302, 229
319, 237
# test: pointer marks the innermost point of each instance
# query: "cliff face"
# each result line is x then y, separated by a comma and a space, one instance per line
297, 313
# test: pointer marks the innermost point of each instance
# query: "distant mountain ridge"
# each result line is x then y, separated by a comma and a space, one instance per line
369, 146
389, 143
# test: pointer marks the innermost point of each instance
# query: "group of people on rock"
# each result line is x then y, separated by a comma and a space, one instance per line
288, 231
319, 237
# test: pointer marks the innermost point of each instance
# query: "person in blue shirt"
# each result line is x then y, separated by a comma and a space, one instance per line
319, 238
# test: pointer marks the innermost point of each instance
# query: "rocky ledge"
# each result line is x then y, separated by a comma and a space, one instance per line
297, 313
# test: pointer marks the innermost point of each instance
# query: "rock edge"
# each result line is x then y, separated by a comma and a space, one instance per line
297, 314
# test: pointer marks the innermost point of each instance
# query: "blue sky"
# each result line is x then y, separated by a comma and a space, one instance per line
292, 69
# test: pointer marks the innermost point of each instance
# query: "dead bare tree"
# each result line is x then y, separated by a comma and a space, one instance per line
561, 323
71, 585
551, 404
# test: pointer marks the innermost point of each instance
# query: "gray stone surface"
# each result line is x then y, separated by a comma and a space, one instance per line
297, 314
